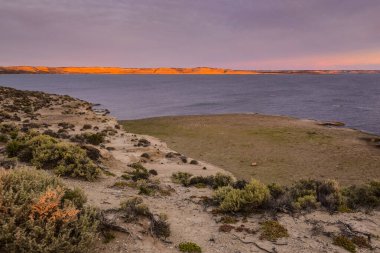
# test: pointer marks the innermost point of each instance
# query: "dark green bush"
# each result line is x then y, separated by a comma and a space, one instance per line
3, 138
75, 196
189, 247
221, 180
139, 172
365, 196
35, 218
181, 178
46, 152
94, 139
147, 187
13, 148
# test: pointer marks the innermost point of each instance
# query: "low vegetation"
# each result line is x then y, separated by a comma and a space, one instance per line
345, 242
251, 197
38, 214
134, 208
187, 179
272, 230
48, 153
189, 247
283, 149
90, 138
303, 196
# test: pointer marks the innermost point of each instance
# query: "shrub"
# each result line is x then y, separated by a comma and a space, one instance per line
160, 227
133, 208
345, 242
221, 180
147, 188
329, 195
365, 196
36, 218
46, 152
276, 190
273, 230
239, 184
228, 220
361, 242
221, 193
189, 247
10, 129
181, 178
13, 148
3, 138
94, 139
139, 172
307, 202
92, 152
209, 180
303, 188
253, 195
66, 160
90, 138
75, 196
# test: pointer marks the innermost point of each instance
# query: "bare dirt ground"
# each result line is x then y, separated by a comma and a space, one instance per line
190, 220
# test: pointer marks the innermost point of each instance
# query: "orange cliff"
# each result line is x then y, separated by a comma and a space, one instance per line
119, 71
164, 71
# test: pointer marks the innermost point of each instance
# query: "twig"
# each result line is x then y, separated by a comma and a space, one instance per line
254, 243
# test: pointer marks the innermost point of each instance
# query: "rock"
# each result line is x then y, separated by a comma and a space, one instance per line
332, 123
172, 155
145, 155
183, 159
143, 143
194, 162
254, 164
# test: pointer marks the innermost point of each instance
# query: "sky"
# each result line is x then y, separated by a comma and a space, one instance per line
237, 34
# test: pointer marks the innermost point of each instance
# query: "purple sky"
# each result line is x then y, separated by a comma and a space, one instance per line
242, 34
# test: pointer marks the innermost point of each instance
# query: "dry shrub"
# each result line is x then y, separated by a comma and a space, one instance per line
329, 195
35, 217
273, 230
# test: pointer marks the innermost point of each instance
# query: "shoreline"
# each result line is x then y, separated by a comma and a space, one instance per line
186, 209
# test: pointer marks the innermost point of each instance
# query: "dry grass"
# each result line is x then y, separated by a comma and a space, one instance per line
285, 149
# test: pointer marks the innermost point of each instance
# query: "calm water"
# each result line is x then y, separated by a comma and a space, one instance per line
353, 99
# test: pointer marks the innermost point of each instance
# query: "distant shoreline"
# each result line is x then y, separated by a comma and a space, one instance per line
169, 71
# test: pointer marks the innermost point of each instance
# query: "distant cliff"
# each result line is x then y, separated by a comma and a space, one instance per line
165, 71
